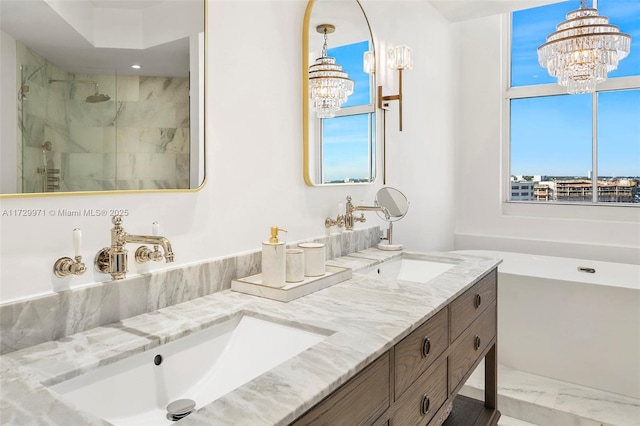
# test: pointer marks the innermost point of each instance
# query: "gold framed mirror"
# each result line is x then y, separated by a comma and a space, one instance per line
340, 149
78, 118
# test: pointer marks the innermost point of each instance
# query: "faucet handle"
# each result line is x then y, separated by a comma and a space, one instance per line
156, 256
338, 221
144, 253
67, 266
77, 242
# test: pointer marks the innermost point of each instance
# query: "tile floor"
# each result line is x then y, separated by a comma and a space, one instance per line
548, 402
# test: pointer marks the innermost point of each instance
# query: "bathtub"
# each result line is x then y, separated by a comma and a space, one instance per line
569, 319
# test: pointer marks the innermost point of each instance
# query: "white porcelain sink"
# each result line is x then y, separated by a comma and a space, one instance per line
410, 269
202, 367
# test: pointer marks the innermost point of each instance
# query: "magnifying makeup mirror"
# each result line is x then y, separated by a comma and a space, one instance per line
397, 205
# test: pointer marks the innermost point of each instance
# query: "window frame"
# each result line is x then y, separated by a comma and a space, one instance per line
361, 109
543, 90
368, 109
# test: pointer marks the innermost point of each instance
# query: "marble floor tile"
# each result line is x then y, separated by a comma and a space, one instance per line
548, 402
510, 421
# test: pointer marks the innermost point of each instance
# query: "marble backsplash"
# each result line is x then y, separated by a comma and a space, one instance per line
55, 316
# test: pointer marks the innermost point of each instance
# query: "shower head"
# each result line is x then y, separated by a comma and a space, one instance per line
91, 99
97, 97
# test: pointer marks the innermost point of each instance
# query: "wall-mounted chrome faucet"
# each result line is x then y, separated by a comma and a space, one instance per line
349, 219
113, 260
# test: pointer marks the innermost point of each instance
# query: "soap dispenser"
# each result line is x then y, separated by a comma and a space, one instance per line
273, 260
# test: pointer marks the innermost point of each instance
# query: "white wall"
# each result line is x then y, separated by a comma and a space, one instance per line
609, 233
254, 153
420, 159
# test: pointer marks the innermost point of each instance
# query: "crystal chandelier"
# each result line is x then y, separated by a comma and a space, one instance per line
583, 49
329, 86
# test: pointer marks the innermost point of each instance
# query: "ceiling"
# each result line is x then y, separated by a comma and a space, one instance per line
39, 26
36, 24
462, 10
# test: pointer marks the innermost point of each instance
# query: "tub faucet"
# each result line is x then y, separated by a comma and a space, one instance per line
113, 260
350, 219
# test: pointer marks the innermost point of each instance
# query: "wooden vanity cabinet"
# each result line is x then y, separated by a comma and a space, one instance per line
467, 307
421, 401
360, 401
416, 352
418, 380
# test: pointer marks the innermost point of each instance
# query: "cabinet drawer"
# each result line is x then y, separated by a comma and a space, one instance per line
416, 352
423, 399
469, 347
360, 401
466, 308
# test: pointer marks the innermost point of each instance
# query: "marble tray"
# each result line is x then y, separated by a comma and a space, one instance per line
253, 285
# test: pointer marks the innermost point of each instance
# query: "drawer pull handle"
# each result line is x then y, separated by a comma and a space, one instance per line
477, 301
424, 409
476, 342
426, 347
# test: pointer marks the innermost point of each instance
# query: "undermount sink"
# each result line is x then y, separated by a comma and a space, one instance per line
410, 269
200, 367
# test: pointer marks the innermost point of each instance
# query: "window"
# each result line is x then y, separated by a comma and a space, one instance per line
348, 139
579, 148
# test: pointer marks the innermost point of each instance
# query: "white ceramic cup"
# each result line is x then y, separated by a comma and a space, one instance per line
314, 259
295, 265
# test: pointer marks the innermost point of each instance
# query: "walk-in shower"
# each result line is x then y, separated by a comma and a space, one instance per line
92, 99
138, 139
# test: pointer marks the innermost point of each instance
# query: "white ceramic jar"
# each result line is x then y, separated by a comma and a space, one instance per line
314, 259
295, 265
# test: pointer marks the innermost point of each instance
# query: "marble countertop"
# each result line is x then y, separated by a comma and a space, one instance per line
368, 314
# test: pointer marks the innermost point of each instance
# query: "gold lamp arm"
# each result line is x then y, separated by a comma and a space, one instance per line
398, 58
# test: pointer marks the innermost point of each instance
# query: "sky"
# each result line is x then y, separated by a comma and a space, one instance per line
552, 135
345, 139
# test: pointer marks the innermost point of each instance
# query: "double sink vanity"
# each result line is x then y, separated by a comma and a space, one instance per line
392, 345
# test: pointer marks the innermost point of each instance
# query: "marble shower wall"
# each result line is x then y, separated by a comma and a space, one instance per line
55, 316
152, 133
138, 139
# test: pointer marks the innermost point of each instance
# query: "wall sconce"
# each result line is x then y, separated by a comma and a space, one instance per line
369, 62
329, 86
398, 58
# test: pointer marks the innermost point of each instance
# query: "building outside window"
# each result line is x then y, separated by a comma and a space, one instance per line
522, 187
579, 148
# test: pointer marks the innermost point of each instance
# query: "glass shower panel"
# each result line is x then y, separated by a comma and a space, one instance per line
37, 170
68, 130
88, 157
